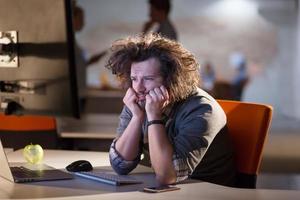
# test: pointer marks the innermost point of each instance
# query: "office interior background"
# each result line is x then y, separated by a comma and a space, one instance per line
263, 32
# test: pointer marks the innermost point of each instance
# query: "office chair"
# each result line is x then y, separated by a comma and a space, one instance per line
248, 125
18, 131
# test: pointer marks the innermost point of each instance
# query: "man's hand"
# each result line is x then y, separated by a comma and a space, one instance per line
160, 148
128, 144
131, 101
156, 100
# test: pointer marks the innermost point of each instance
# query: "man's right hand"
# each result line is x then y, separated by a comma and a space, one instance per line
130, 100
128, 144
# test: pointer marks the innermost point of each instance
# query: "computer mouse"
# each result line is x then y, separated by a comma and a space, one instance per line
79, 165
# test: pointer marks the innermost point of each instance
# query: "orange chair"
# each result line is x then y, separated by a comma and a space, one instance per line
248, 125
17, 131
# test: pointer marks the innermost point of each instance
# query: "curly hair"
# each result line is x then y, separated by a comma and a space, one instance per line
178, 66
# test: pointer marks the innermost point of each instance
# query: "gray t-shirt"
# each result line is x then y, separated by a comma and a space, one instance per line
192, 127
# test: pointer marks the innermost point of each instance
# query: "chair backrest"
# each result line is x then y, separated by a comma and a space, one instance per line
248, 125
17, 131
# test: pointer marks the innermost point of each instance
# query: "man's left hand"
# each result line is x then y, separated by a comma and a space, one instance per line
156, 100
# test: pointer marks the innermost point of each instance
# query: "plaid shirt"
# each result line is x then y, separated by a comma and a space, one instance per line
191, 127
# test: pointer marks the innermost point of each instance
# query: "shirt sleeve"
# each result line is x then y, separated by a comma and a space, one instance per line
195, 128
118, 163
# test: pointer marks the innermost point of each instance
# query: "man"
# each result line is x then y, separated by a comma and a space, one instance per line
177, 127
159, 19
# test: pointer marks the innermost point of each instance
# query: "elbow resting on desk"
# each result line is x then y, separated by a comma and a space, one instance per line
119, 164
122, 167
166, 178
121, 171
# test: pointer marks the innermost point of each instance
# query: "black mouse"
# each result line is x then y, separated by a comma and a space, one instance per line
79, 165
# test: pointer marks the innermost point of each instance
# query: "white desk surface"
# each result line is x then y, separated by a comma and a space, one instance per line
79, 188
8, 150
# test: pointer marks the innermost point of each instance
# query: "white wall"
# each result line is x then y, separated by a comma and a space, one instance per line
278, 84
296, 74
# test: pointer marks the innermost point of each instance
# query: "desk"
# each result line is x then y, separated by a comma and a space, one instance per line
8, 150
80, 188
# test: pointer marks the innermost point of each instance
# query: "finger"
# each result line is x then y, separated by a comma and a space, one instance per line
129, 100
152, 94
148, 98
164, 92
155, 97
130, 96
159, 93
129, 92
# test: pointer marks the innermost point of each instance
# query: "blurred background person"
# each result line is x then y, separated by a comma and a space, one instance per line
159, 21
80, 58
240, 79
208, 77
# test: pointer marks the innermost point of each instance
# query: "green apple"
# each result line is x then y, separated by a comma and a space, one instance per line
33, 153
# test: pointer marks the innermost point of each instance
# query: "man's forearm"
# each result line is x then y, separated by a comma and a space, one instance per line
161, 152
128, 144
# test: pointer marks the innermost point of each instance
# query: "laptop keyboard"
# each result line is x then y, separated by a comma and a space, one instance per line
22, 172
108, 178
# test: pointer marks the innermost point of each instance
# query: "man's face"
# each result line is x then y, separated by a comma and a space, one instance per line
145, 76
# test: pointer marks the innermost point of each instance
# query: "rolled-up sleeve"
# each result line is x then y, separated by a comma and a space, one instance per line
118, 163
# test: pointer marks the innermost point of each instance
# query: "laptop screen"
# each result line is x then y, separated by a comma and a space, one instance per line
5, 170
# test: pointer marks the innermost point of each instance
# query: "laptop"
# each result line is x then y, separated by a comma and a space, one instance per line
21, 174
